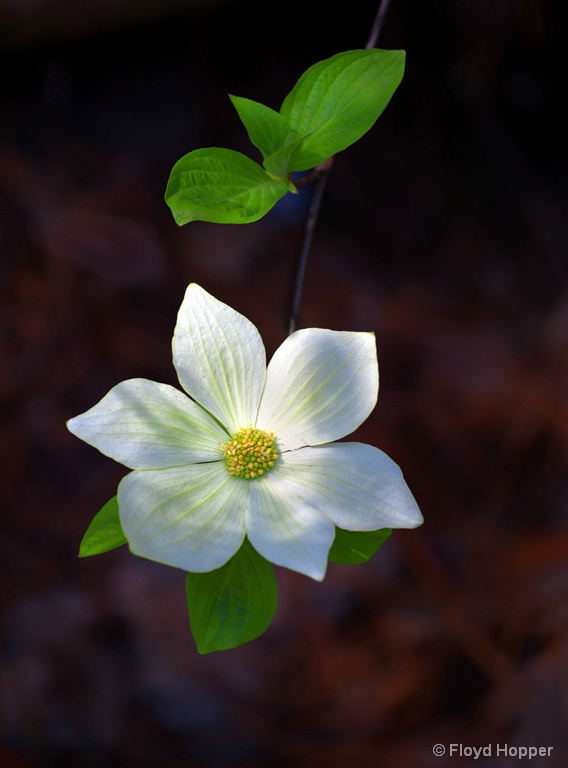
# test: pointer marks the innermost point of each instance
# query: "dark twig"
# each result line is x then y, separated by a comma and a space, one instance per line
378, 24
313, 213
319, 177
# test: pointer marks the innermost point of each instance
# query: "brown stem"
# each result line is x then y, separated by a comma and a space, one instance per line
378, 24
319, 177
313, 213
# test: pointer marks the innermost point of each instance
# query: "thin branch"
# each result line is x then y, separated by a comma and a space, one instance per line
319, 177
317, 194
378, 24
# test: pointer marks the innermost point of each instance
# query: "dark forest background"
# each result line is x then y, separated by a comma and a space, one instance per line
443, 231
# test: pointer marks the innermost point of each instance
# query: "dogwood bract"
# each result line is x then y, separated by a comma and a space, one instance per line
251, 451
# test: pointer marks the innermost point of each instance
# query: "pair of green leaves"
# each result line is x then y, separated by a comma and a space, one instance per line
332, 105
235, 603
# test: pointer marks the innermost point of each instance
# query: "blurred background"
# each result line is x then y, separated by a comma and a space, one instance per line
443, 231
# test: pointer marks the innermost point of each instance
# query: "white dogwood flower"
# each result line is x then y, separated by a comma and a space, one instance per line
251, 451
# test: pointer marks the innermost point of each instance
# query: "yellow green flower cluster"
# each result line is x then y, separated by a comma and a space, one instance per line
250, 453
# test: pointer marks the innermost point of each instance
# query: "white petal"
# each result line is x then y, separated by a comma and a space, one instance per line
320, 386
146, 425
285, 529
356, 485
190, 517
220, 358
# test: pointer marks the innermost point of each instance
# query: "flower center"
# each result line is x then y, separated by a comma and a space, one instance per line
250, 453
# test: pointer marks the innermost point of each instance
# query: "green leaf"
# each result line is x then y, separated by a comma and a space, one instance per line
267, 129
232, 604
354, 547
278, 163
221, 186
104, 533
337, 100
